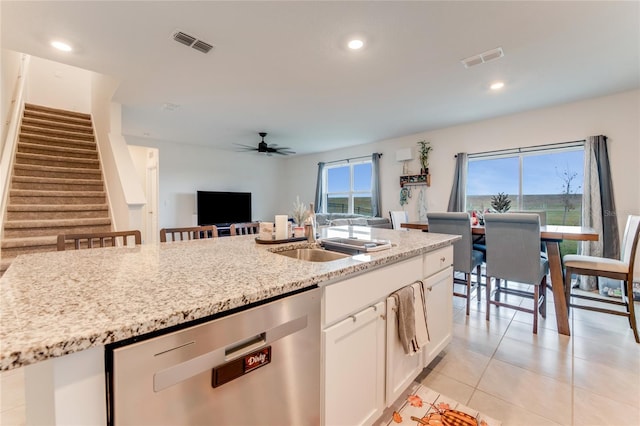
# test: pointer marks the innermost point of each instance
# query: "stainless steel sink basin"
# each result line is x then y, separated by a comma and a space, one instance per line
313, 254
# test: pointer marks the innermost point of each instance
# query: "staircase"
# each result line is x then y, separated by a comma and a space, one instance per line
57, 185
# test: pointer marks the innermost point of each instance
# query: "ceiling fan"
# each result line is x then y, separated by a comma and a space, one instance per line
265, 148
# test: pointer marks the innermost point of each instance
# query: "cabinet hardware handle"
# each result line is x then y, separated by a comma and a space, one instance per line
430, 288
375, 308
442, 259
353, 317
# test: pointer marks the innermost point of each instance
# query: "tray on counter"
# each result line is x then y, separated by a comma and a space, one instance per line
363, 246
286, 240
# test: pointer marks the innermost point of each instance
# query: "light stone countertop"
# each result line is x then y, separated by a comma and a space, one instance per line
57, 303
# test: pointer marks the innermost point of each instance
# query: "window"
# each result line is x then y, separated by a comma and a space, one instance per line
547, 179
348, 188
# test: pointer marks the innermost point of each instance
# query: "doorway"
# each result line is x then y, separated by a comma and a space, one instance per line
146, 162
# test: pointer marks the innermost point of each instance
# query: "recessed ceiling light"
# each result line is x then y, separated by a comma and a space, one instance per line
355, 44
497, 85
61, 46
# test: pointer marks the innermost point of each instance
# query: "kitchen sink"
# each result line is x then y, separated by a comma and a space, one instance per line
313, 254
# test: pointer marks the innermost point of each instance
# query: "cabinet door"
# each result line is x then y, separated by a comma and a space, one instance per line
401, 368
353, 385
438, 293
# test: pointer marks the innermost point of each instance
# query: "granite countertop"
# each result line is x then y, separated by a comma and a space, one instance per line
57, 303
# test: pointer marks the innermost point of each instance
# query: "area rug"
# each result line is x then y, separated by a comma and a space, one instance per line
428, 407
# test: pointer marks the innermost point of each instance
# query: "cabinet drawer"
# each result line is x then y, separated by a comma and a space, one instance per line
437, 260
346, 297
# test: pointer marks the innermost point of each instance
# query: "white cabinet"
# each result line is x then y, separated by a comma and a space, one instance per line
354, 368
438, 289
364, 366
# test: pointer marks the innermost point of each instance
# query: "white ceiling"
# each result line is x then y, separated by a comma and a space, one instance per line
283, 68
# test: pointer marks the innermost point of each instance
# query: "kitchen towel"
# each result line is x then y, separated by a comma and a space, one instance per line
422, 329
406, 317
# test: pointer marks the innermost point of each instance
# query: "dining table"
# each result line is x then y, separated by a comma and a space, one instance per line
552, 235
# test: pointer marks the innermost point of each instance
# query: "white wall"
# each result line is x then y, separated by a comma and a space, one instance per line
186, 168
59, 86
616, 117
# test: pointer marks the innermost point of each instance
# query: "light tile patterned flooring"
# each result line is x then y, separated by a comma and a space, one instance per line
503, 370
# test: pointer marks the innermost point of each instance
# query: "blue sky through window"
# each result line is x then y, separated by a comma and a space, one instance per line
541, 174
338, 179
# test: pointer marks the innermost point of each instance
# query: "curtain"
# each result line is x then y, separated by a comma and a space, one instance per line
375, 185
459, 188
319, 189
599, 210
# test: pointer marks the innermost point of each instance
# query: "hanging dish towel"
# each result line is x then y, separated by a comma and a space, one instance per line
422, 329
406, 317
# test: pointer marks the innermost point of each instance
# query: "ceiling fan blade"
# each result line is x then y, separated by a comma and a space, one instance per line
244, 146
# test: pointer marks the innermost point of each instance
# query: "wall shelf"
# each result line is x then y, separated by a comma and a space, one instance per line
415, 180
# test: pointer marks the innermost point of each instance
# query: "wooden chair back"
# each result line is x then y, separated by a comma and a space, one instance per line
189, 233
98, 239
244, 228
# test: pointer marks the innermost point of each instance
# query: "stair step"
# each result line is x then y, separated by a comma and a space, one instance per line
48, 116
54, 141
53, 184
12, 247
55, 211
56, 111
58, 161
35, 228
54, 123
11, 225
68, 152
56, 172
57, 133
25, 196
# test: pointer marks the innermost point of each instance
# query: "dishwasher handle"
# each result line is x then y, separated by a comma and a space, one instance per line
185, 370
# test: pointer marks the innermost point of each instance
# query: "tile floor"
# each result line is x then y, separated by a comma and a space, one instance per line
505, 371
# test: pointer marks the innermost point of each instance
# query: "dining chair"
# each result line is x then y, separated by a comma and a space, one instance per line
398, 217
610, 268
247, 228
189, 233
465, 259
98, 239
513, 254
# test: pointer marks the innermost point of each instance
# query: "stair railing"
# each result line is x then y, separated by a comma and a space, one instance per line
11, 141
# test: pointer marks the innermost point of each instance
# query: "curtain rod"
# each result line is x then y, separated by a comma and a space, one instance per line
527, 148
352, 158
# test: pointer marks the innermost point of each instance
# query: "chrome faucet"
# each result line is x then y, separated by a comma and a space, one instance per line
310, 225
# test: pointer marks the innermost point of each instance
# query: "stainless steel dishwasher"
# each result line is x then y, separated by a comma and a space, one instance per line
259, 366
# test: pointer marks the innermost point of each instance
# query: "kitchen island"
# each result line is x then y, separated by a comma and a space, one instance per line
60, 309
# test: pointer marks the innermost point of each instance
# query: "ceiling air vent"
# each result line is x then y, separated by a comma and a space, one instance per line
202, 46
191, 41
483, 57
183, 38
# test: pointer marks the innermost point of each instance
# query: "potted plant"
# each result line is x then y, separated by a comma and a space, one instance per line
501, 202
425, 149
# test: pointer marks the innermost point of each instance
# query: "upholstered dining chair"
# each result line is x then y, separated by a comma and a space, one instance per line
98, 239
465, 259
189, 233
513, 253
611, 268
244, 228
398, 217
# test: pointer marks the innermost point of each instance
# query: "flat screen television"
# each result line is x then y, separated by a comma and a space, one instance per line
223, 208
